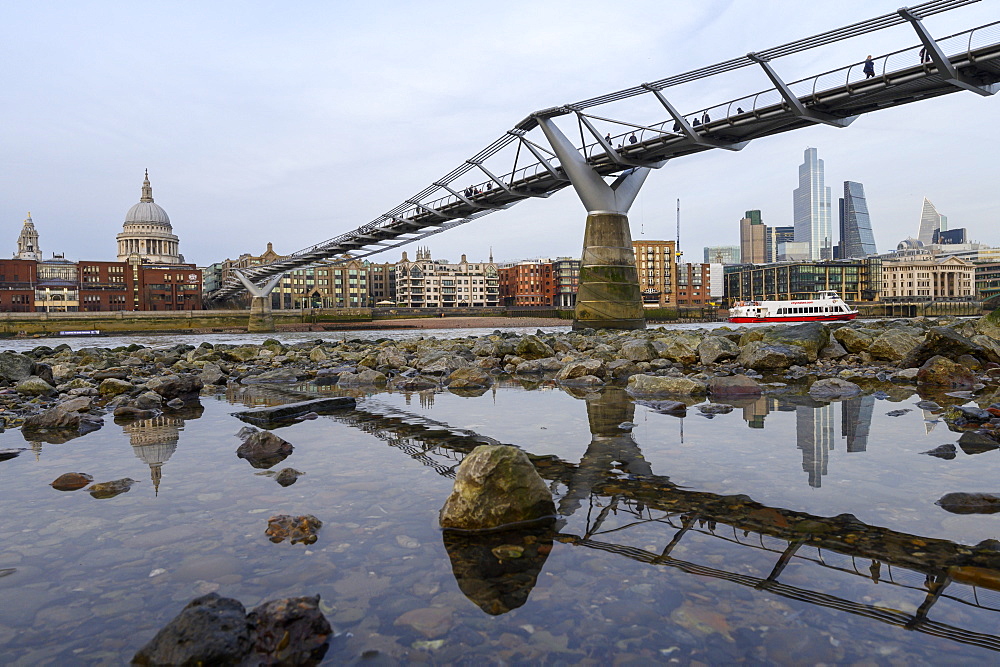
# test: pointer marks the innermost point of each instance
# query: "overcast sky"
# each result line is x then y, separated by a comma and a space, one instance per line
295, 122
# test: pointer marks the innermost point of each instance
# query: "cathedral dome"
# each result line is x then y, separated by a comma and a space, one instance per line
147, 232
147, 212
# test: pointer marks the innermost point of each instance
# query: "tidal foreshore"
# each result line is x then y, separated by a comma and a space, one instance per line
58, 390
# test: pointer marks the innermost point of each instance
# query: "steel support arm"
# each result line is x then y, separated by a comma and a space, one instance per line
794, 103
596, 195
941, 61
686, 128
254, 290
615, 156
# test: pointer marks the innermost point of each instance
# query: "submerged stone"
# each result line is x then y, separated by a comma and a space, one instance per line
71, 481
970, 503
264, 449
111, 489
295, 529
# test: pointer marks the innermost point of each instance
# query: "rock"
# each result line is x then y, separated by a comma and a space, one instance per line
390, 357
212, 374
893, 345
211, 630
761, 356
942, 372
15, 367
184, 387
34, 386
111, 489
679, 348
114, 386
132, 413
659, 385
734, 385
495, 485
717, 348
639, 350
852, 340
579, 368
8, 454
366, 378
897, 413
942, 452
61, 423
833, 350
240, 354
532, 347
621, 369
905, 376
148, 400
811, 337
940, 341
287, 476
831, 388
536, 366
276, 376
71, 481
970, 503
291, 631
295, 529
263, 449
419, 383
282, 414
977, 442
471, 377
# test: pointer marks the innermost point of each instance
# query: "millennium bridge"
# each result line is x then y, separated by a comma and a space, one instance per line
537, 159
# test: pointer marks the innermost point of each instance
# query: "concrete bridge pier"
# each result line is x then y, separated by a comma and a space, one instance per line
608, 295
261, 317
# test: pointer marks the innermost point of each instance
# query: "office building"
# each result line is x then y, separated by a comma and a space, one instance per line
811, 207
655, 262
722, 254
930, 222
856, 237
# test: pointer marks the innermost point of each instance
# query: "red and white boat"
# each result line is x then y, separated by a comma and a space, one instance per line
828, 307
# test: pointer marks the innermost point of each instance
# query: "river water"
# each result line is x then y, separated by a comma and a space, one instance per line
652, 558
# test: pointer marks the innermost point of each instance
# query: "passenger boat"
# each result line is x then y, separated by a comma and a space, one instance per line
827, 307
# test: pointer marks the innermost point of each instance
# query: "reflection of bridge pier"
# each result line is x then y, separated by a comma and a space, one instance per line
938, 571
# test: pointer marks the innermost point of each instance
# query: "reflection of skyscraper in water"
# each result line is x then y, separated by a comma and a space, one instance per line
754, 413
154, 442
855, 421
814, 436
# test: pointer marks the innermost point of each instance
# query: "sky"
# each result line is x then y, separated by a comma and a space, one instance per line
292, 123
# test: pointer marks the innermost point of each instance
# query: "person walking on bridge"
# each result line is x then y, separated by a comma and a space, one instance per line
869, 67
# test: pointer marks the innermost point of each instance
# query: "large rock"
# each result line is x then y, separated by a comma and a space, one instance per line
854, 341
717, 348
831, 388
734, 385
680, 348
291, 631
660, 385
64, 422
544, 365
114, 386
282, 414
893, 345
533, 347
34, 386
184, 387
762, 356
15, 367
580, 368
496, 485
264, 449
811, 337
210, 630
275, 376
942, 372
941, 341
639, 350
970, 503
469, 377
365, 378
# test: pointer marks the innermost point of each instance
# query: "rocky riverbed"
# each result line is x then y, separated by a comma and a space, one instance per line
57, 393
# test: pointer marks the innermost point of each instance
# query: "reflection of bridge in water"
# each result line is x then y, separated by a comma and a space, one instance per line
622, 496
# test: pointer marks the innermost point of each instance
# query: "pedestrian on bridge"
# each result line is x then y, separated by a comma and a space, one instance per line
869, 67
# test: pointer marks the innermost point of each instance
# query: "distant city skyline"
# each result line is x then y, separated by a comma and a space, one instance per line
262, 125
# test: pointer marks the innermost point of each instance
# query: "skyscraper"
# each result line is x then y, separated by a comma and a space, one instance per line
811, 204
753, 239
856, 237
930, 221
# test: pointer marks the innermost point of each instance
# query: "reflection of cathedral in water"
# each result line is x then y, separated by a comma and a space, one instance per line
154, 442
814, 428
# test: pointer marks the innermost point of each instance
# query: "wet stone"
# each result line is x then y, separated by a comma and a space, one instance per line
295, 529
111, 489
71, 481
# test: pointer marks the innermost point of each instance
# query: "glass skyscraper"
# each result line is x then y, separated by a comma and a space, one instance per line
856, 236
930, 221
812, 212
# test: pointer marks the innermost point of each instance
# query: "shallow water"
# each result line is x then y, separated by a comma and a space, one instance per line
651, 558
